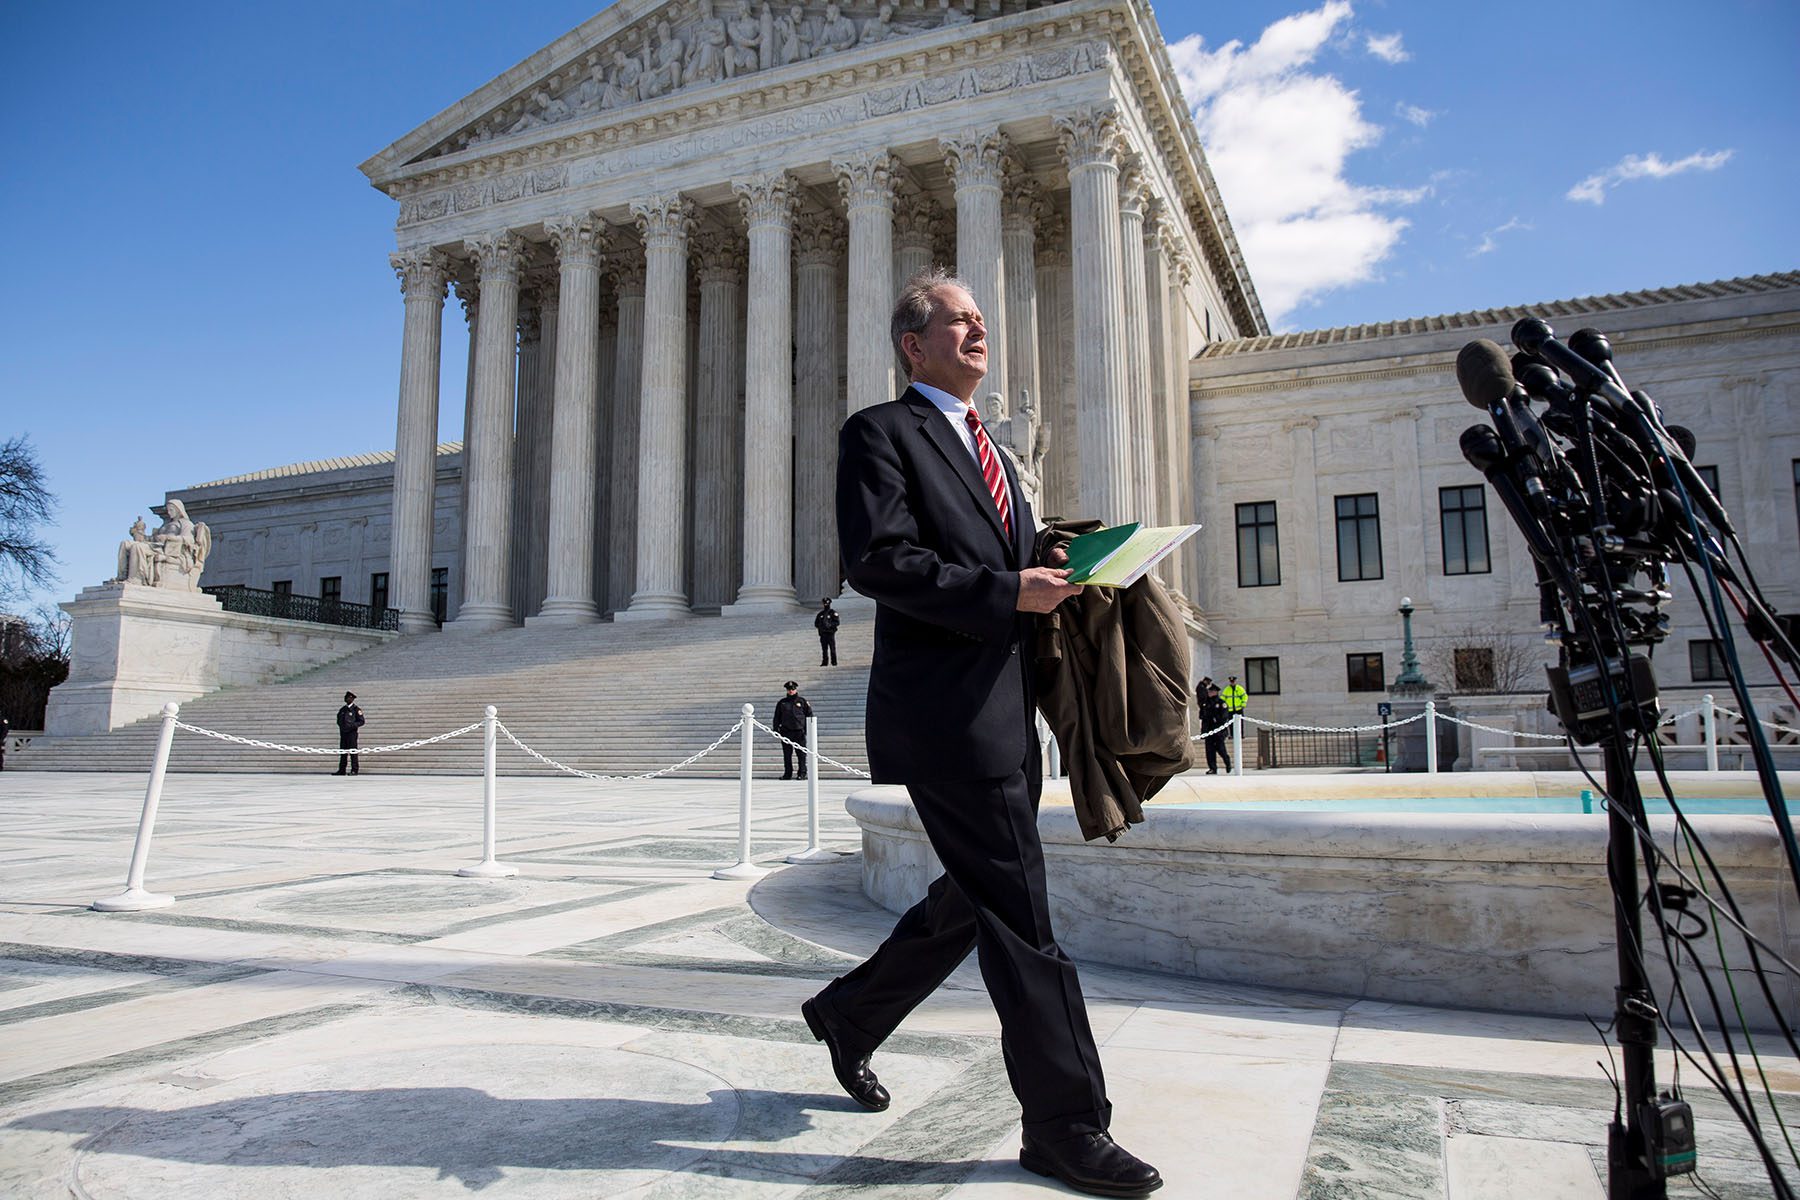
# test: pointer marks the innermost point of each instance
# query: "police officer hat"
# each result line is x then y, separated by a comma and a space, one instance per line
791, 686
349, 696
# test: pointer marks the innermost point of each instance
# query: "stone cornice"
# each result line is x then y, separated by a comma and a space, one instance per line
1442, 362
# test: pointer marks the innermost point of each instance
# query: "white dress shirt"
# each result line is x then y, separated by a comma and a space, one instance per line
956, 412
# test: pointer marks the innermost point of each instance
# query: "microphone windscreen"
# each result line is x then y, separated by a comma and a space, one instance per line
1684, 437
1481, 446
1592, 345
1483, 373
1530, 334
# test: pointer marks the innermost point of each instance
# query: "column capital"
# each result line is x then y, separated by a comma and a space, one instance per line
916, 220
500, 256
1181, 267
718, 257
1053, 237
976, 159
664, 221
818, 238
1023, 204
424, 272
1089, 137
468, 292
626, 267
531, 324
1134, 188
766, 199
579, 239
866, 180
540, 284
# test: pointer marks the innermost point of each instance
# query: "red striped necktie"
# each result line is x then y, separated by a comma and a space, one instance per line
992, 473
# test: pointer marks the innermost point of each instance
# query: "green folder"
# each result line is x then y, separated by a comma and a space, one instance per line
1089, 552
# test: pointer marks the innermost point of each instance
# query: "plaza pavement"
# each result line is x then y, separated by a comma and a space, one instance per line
329, 1011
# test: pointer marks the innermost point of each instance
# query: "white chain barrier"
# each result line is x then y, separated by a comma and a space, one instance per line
689, 761
847, 769
1336, 728
327, 750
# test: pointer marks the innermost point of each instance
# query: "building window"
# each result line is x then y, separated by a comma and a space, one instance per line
378, 595
1706, 661
282, 587
1474, 668
1464, 512
1358, 538
1365, 672
331, 589
440, 593
1262, 676
1258, 555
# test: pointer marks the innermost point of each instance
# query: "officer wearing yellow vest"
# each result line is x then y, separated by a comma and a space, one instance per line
1233, 696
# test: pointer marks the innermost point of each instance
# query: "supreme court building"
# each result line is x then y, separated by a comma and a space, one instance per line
675, 235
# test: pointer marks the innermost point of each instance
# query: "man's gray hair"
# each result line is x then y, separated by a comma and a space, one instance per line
913, 309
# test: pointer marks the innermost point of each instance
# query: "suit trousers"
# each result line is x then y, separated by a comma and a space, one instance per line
991, 897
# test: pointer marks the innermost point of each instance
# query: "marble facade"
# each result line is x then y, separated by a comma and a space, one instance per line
711, 210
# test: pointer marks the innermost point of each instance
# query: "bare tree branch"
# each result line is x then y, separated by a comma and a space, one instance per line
25, 505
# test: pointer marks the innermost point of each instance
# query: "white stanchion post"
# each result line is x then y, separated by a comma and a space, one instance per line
813, 853
744, 868
134, 898
487, 868
1237, 743
1709, 729
1431, 760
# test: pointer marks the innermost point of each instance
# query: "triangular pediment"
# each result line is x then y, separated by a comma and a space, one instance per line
639, 51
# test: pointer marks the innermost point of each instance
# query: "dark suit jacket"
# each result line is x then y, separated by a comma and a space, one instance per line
949, 691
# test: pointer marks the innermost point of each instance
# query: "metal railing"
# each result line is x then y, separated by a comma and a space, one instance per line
257, 602
1315, 748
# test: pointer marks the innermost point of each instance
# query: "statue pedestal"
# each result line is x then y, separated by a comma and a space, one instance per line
134, 649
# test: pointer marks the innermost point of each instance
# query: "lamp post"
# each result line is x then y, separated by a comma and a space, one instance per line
1410, 676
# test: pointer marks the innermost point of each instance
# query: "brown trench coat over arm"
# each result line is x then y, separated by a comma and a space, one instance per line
1112, 676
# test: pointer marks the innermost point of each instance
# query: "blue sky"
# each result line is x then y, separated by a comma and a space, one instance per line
200, 285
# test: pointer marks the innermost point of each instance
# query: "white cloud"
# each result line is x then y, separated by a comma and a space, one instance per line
1490, 241
1277, 135
1413, 114
1387, 47
1643, 166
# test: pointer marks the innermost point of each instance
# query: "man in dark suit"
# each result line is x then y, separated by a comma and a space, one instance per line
934, 528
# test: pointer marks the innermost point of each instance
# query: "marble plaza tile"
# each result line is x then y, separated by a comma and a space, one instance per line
1493, 1168
536, 935
127, 933
25, 983
649, 987
1295, 1035
29, 1048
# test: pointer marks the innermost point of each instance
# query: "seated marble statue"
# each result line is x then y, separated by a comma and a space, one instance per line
836, 33
172, 557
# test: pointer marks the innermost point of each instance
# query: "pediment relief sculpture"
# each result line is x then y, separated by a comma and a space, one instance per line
711, 44
171, 557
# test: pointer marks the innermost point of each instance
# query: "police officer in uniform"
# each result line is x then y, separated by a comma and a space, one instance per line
349, 721
791, 712
1233, 696
1213, 718
826, 622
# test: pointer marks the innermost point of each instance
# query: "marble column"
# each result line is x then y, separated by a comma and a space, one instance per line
536, 518
622, 492
665, 222
867, 183
526, 393
578, 241
818, 255
1132, 197
976, 164
1018, 231
424, 275
1056, 369
488, 443
607, 357
1090, 141
916, 222
468, 291
716, 516
768, 205
1187, 508
1168, 449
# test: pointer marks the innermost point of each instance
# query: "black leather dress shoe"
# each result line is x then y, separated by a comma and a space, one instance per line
853, 1075
1092, 1163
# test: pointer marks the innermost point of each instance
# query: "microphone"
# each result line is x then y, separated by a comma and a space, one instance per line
1486, 379
1592, 345
1482, 447
1683, 465
1536, 338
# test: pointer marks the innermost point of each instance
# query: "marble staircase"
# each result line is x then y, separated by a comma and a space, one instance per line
613, 698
